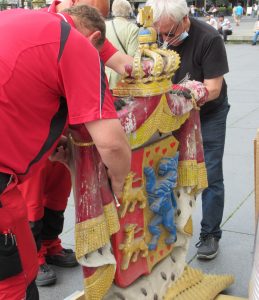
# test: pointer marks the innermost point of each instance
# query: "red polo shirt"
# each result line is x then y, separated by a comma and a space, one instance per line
106, 51
43, 61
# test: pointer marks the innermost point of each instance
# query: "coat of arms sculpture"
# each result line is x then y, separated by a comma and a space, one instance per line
119, 247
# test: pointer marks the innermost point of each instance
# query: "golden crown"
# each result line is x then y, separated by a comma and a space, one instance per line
153, 67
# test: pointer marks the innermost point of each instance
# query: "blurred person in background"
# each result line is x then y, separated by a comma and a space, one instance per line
254, 10
256, 32
238, 13
193, 11
224, 27
212, 21
122, 34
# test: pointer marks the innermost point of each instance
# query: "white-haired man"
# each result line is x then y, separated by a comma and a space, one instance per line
122, 34
203, 57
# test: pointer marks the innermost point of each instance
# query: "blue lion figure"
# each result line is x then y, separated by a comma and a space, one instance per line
161, 199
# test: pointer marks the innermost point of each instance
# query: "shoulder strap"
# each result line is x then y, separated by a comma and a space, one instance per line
118, 38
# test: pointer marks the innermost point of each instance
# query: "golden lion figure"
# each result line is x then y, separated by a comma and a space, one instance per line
131, 196
132, 246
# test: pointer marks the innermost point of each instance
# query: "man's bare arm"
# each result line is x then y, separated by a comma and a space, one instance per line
214, 87
118, 61
113, 146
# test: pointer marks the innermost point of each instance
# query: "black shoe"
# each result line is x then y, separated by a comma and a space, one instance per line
207, 247
46, 276
65, 258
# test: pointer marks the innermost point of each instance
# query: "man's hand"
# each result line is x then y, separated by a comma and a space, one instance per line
180, 104
116, 185
112, 144
61, 152
147, 67
197, 90
118, 61
119, 104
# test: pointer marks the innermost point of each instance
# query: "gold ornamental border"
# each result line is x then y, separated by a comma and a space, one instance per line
93, 234
193, 174
80, 144
195, 285
160, 120
97, 285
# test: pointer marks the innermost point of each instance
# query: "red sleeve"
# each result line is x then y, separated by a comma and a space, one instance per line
53, 7
107, 51
82, 77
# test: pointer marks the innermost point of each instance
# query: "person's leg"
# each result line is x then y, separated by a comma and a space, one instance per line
32, 292
220, 31
226, 32
255, 38
224, 35
33, 193
19, 266
213, 134
238, 20
57, 191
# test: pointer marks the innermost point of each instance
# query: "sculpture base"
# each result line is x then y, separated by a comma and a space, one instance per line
193, 284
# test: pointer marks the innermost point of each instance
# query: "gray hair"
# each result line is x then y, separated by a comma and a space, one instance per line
121, 8
172, 9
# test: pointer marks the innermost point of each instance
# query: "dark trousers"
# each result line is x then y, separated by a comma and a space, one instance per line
32, 292
213, 128
225, 33
46, 194
49, 227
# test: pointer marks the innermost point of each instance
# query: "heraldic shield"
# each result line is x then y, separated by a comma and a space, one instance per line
135, 247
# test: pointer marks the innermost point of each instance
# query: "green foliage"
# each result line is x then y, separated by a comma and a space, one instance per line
222, 3
229, 10
222, 10
3, 4
226, 11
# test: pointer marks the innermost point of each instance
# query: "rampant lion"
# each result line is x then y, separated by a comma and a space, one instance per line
161, 199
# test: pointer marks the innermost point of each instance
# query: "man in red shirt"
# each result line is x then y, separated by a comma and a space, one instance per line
47, 192
110, 56
50, 76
